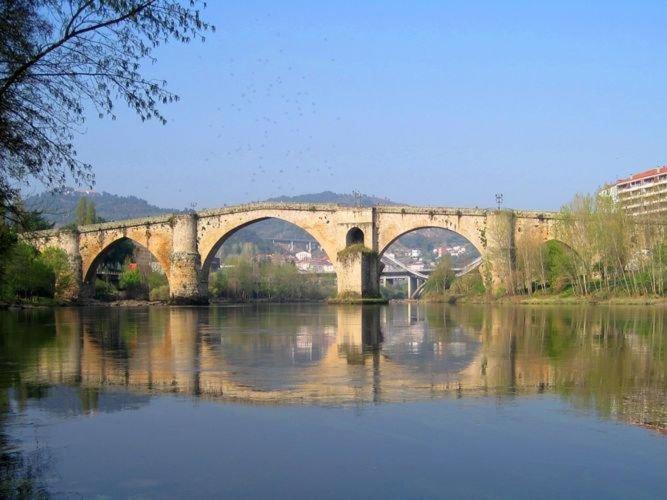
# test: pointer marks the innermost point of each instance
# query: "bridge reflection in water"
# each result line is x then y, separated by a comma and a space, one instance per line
610, 358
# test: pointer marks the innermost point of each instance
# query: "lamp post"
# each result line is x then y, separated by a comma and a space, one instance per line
499, 200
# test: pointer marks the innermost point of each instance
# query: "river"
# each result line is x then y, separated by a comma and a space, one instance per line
318, 401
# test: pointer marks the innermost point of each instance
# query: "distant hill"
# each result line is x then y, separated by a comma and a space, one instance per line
363, 200
58, 207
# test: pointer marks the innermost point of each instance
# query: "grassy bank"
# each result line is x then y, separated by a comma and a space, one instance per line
545, 300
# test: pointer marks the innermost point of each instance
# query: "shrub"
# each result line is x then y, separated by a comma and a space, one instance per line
393, 292
105, 291
26, 275
217, 284
156, 280
57, 260
132, 283
159, 293
469, 284
441, 279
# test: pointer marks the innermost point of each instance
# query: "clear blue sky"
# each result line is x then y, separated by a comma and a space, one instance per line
429, 103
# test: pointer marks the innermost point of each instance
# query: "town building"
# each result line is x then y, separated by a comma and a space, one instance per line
644, 193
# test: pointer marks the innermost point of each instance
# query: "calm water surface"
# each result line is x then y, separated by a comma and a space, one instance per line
314, 401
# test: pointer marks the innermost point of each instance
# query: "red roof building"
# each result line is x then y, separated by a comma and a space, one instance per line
643, 193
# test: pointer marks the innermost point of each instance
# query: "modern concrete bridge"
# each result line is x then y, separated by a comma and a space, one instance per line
354, 238
394, 269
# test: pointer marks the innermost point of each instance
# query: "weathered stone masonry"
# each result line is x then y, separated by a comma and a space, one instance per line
184, 244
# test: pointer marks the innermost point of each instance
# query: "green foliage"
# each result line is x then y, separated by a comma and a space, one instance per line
560, 265
62, 59
120, 252
351, 252
441, 279
26, 275
156, 280
394, 292
469, 284
7, 241
57, 260
85, 212
105, 291
218, 282
158, 286
605, 253
159, 293
34, 221
244, 279
132, 283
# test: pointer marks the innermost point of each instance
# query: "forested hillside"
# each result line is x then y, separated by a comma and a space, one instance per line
59, 207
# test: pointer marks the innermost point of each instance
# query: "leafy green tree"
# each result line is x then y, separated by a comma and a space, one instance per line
244, 279
441, 279
560, 265
158, 286
57, 261
58, 59
85, 212
469, 284
26, 275
132, 282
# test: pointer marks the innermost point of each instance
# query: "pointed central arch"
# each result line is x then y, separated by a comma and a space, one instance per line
107, 266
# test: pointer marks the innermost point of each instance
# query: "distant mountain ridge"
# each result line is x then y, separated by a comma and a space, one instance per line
363, 200
59, 207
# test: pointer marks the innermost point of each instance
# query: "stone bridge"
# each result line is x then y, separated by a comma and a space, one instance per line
353, 238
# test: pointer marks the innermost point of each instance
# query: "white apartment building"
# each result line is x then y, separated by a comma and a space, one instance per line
641, 194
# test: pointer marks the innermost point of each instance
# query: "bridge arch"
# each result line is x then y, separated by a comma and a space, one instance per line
393, 269
545, 262
215, 227
216, 232
92, 263
209, 251
394, 223
355, 236
396, 237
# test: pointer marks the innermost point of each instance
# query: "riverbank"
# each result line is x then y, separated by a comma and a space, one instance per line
447, 299
46, 303
547, 300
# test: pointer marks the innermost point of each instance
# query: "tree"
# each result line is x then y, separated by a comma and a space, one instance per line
58, 59
17, 221
132, 282
56, 260
85, 212
26, 274
441, 278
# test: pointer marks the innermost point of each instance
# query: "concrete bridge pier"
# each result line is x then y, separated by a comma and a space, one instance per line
185, 262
